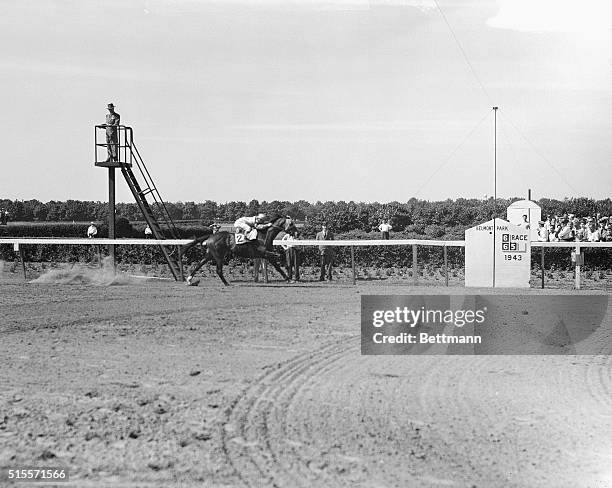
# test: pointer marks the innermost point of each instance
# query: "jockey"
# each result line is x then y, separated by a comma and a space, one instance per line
246, 225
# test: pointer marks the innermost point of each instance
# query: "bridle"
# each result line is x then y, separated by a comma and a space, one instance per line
284, 226
278, 226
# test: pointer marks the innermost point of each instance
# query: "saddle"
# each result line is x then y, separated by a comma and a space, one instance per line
243, 238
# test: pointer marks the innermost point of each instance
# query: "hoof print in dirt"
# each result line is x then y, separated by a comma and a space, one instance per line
202, 436
159, 465
47, 454
160, 409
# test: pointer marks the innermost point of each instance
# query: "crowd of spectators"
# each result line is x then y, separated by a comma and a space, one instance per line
570, 228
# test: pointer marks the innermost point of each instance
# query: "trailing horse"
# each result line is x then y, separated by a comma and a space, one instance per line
221, 244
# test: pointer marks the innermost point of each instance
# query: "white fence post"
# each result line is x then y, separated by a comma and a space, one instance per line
577, 277
353, 264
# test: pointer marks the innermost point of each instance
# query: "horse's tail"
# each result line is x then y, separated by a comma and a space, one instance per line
195, 242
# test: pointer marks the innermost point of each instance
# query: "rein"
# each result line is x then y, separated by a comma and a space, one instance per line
285, 225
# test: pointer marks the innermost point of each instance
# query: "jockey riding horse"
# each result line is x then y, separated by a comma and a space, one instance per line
223, 243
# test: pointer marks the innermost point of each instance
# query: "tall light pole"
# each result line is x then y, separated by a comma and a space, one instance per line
495, 159
494, 188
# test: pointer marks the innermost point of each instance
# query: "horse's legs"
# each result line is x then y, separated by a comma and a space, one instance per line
207, 257
210, 257
195, 269
270, 255
220, 270
278, 268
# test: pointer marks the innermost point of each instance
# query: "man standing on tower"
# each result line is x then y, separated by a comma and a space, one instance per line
112, 135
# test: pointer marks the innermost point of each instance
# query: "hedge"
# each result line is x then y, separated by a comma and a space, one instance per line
373, 256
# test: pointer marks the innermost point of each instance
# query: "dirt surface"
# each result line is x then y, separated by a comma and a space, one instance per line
152, 383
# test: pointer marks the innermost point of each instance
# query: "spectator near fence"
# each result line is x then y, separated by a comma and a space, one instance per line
326, 253
543, 232
606, 230
92, 231
566, 231
593, 233
385, 229
572, 228
292, 257
582, 231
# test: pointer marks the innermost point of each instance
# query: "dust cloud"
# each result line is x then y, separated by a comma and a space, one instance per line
81, 274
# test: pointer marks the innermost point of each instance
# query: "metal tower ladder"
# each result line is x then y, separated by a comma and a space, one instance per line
156, 213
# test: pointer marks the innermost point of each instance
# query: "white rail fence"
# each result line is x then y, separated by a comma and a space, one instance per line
577, 247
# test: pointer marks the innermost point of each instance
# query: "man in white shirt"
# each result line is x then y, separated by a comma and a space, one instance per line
92, 231
593, 233
525, 223
567, 232
292, 256
385, 228
543, 232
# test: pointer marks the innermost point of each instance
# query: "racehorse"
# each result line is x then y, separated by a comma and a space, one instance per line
221, 244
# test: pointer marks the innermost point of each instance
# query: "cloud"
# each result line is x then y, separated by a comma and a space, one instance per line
585, 16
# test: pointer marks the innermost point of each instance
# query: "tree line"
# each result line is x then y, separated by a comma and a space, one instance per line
423, 217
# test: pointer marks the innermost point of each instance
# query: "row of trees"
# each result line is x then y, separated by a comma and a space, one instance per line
420, 216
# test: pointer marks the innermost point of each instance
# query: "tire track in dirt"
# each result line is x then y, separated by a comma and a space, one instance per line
295, 426
254, 433
530, 418
284, 442
327, 417
598, 378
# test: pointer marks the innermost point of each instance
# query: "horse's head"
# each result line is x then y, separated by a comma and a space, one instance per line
279, 223
290, 227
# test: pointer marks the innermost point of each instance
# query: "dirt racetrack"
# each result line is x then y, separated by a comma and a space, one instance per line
154, 384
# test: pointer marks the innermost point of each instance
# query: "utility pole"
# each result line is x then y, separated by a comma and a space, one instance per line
494, 189
495, 158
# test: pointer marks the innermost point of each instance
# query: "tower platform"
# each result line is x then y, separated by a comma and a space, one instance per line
111, 164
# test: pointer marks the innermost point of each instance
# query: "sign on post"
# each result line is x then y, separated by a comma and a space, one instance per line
497, 254
479, 253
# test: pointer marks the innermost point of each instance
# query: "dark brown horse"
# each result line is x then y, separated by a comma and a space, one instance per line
221, 244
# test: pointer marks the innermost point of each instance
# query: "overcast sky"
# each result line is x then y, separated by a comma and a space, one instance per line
314, 99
